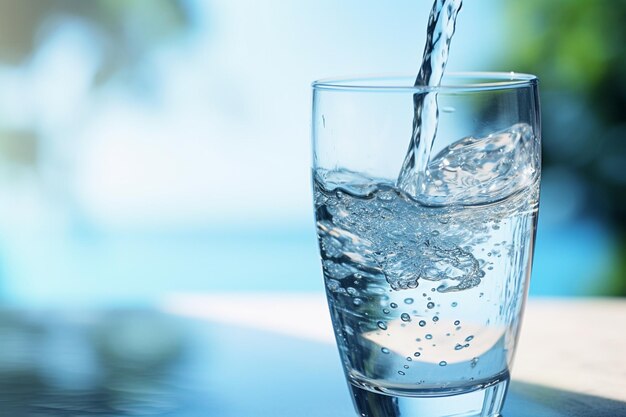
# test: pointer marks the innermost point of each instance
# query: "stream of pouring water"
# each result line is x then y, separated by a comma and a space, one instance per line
441, 26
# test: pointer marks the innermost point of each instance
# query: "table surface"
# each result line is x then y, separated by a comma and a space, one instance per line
248, 355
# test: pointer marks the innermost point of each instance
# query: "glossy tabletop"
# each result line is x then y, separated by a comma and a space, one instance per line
273, 355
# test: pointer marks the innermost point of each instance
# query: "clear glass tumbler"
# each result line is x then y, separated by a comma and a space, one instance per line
426, 283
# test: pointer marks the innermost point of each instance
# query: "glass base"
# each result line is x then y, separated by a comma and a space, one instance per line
484, 402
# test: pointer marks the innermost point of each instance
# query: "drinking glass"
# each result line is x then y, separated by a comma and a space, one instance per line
426, 284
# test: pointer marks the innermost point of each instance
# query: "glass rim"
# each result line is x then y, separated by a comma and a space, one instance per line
452, 82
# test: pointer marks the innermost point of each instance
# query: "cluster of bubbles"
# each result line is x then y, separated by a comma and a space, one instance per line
386, 234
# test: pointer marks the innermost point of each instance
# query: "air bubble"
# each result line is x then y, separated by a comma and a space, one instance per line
457, 322
386, 311
430, 305
357, 301
401, 373
429, 336
422, 323
405, 317
406, 366
409, 359
333, 284
417, 354
469, 338
458, 346
408, 301
393, 305
454, 304
435, 319
443, 363
474, 362
382, 325
385, 350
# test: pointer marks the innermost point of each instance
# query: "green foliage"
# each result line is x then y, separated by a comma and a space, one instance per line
576, 47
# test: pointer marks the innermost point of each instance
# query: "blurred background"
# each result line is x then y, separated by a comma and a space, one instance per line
155, 147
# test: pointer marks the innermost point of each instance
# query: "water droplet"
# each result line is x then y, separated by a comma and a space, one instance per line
454, 304
430, 305
457, 322
393, 305
474, 362
429, 336
408, 301
409, 359
401, 373
382, 325
443, 363
435, 319
417, 354
406, 366
458, 346
405, 317
386, 311
385, 350
422, 323
469, 338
